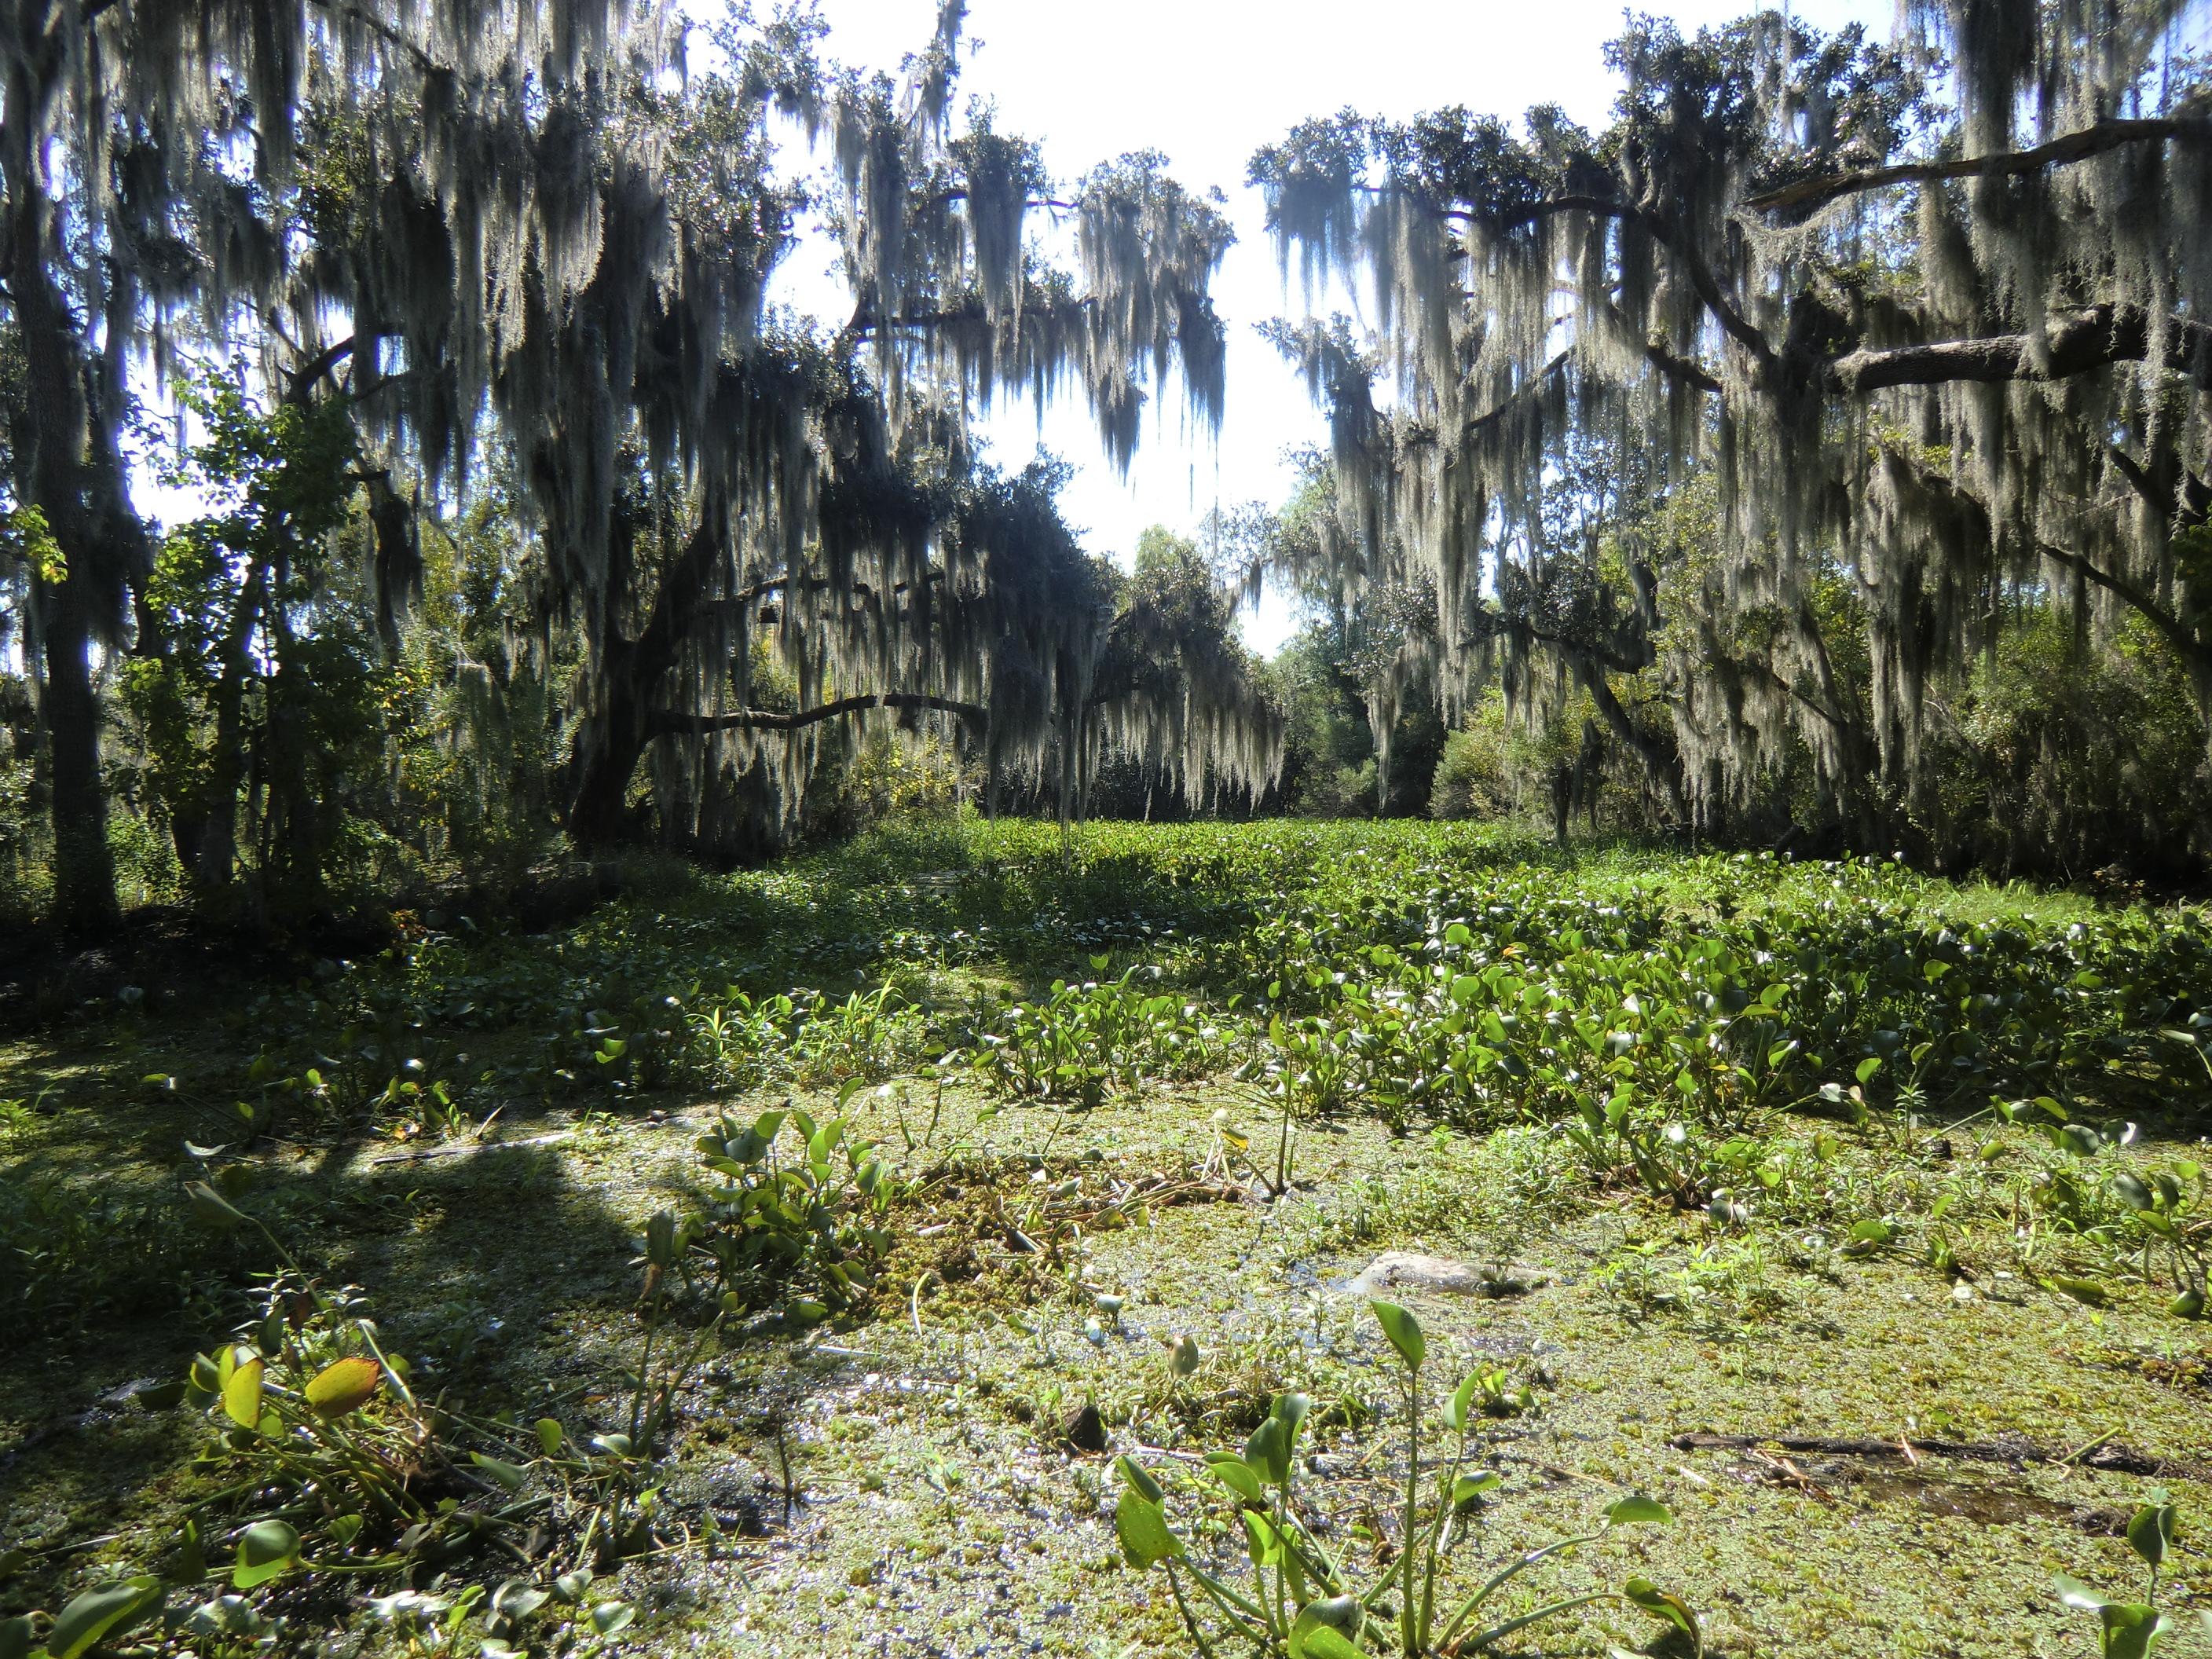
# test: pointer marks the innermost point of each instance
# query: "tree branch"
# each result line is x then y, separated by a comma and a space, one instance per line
667, 722
1733, 322
2194, 651
1688, 371
2063, 151
2087, 340
300, 381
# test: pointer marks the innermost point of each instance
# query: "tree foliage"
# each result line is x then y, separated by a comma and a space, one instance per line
526, 252
1911, 328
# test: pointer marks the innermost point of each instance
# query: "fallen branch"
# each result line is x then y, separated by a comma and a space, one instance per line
452, 1149
2112, 1459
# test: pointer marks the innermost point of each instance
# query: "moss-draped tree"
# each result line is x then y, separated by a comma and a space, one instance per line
542, 234
1924, 315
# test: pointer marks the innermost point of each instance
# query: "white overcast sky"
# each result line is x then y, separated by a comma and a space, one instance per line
1207, 83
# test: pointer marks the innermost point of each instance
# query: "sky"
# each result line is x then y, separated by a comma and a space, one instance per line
1207, 81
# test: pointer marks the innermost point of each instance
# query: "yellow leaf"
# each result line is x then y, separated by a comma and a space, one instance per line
241, 1394
342, 1386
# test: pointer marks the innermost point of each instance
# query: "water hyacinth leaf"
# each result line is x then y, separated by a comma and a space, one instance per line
1267, 1453
2086, 1291
2131, 1628
16, 1638
1317, 1636
211, 1209
2150, 1531
1668, 1606
1404, 1332
1262, 1540
267, 1550
2075, 1594
549, 1435
569, 1587
98, 1614
1142, 1527
506, 1474
518, 1599
241, 1394
1638, 1511
1462, 1401
1234, 1473
2080, 1139
609, 1617
1138, 1479
1291, 1410
1468, 1487
342, 1386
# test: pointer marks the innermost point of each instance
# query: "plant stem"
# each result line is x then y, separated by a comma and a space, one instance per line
1407, 1629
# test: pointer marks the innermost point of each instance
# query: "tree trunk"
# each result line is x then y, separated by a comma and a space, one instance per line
1661, 767
56, 473
612, 738
216, 844
608, 745
84, 869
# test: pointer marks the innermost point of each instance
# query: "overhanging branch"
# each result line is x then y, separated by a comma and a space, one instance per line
2087, 340
2099, 140
667, 722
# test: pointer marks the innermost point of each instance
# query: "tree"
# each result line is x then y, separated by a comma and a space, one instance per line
1938, 333
537, 235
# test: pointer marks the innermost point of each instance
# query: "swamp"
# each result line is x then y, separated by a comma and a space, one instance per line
910, 827
800, 1253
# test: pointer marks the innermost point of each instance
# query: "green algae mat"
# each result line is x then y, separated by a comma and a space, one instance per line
970, 1241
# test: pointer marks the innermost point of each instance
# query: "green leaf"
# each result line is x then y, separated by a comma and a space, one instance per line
211, 1209
2150, 1532
1268, 1452
518, 1599
1666, 1605
548, 1435
1404, 1332
2132, 1190
1462, 1401
1138, 1479
506, 1474
2131, 1628
269, 1550
2080, 1139
1234, 1473
15, 1636
97, 1614
1143, 1530
1866, 1069
1468, 1487
1316, 1635
1638, 1511
2086, 1291
2075, 1594
1262, 1541
609, 1617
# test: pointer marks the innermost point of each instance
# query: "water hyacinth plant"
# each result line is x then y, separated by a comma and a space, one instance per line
1302, 1602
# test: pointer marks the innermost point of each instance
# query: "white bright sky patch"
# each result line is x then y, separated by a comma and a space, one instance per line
1208, 82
